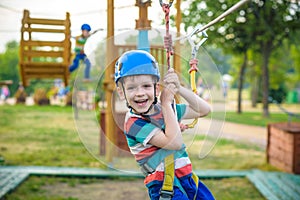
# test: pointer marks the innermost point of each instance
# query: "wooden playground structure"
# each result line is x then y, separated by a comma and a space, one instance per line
41, 58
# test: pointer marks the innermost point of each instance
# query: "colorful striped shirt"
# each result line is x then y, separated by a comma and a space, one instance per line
79, 45
139, 130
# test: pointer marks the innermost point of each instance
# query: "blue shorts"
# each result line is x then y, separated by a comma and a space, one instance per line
188, 185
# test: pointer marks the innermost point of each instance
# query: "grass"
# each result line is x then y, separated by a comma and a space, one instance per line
255, 118
46, 136
41, 136
57, 188
209, 153
52, 188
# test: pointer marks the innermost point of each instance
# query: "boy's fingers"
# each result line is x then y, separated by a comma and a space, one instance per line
171, 69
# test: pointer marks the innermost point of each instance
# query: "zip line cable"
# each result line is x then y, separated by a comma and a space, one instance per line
200, 28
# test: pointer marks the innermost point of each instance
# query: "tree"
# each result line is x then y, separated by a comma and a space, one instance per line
232, 34
274, 21
9, 65
261, 25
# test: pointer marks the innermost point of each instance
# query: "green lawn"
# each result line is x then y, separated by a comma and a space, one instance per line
46, 136
54, 188
41, 136
256, 118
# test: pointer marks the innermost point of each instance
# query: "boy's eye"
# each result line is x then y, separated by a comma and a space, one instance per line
130, 88
147, 85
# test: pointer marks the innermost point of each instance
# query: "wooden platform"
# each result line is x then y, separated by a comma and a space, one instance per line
9, 180
276, 185
272, 185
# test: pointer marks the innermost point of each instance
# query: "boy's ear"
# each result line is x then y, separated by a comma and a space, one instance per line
120, 93
157, 89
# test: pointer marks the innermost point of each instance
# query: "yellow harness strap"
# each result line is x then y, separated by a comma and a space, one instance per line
167, 188
169, 173
196, 180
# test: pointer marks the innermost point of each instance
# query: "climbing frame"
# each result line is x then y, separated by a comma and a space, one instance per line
45, 48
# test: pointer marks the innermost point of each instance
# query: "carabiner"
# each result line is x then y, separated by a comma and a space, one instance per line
195, 47
162, 3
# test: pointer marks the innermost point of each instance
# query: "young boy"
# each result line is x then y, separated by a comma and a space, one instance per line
79, 51
152, 129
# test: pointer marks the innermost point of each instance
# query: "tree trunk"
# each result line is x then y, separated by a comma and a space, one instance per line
255, 91
266, 52
241, 82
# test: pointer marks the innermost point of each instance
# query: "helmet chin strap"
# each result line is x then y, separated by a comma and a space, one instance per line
144, 113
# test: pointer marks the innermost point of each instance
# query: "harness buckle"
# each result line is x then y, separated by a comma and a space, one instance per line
166, 195
146, 169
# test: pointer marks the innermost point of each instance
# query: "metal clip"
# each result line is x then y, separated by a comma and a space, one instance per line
162, 3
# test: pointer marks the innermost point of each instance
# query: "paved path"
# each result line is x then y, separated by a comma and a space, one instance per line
238, 132
245, 133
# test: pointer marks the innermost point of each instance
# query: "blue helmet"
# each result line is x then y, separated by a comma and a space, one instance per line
86, 27
136, 62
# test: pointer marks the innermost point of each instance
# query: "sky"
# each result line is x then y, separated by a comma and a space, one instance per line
92, 12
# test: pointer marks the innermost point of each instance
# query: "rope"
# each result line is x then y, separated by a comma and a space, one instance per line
168, 37
192, 71
194, 67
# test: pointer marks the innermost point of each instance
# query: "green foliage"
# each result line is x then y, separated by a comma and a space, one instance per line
220, 58
278, 94
9, 65
294, 76
260, 26
231, 34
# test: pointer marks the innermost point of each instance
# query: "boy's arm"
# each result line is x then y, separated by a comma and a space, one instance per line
171, 138
95, 31
197, 107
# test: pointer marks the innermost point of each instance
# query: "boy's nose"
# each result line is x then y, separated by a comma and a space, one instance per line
140, 91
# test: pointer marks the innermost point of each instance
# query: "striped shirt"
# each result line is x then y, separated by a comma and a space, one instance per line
79, 45
139, 130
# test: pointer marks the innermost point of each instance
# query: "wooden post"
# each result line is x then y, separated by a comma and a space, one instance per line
110, 126
143, 22
67, 48
143, 25
177, 43
21, 50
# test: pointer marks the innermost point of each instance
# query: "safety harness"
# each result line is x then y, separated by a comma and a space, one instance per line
168, 157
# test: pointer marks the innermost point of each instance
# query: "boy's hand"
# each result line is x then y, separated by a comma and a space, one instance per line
172, 78
171, 86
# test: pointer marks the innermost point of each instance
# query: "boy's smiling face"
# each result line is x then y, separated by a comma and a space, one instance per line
139, 92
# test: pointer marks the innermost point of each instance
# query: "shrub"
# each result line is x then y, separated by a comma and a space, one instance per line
40, 97
20, 96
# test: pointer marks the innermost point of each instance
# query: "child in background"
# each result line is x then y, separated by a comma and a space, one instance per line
152, 128
79, 51
5, 93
